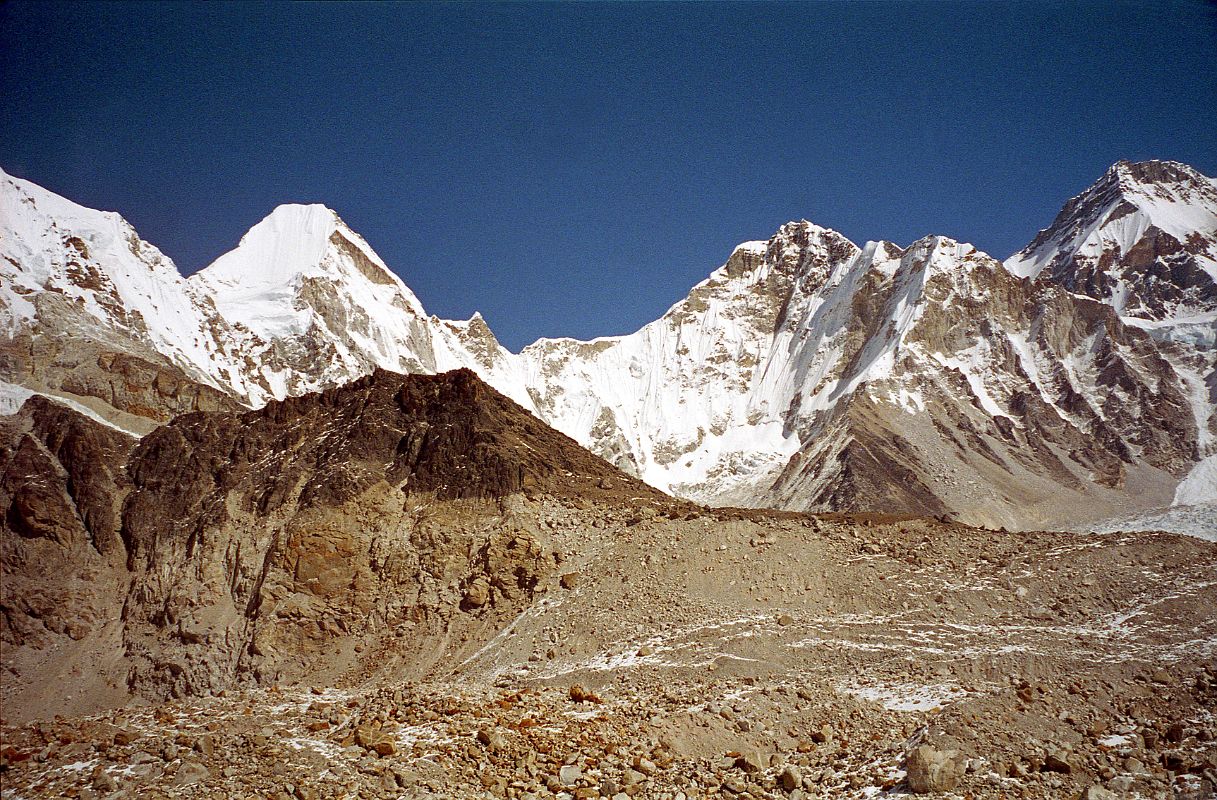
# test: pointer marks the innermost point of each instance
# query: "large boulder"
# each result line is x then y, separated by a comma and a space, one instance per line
931, 770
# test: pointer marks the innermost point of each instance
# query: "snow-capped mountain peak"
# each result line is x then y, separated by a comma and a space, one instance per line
1143, 240
87, 273
45, 236
1169, 180
289, 241
1131, 200
312, 305
292, 244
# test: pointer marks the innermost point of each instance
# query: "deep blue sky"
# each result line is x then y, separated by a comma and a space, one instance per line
574, 169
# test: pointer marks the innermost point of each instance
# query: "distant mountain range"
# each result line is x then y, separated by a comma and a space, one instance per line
1075, 381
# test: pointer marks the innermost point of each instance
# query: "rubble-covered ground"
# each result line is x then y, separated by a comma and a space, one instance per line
736, 655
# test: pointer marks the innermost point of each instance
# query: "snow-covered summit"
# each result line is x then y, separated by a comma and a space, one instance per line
293, 241
289, 241
1132, 204
293, 244
44, 237
316, 306
1143, 240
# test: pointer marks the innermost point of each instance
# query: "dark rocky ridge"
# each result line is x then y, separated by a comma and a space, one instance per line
233, 547
450, 436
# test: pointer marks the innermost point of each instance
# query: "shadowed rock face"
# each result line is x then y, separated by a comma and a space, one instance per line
62, 487
450, 436
233, 547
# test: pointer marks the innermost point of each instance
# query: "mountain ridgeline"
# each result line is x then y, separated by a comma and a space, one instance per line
1076, 380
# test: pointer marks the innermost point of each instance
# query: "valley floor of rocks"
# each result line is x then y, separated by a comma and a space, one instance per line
732, 655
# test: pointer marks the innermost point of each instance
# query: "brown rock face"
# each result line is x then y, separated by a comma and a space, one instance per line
375, 510
145, 385
323, 535
156, 391
61, 494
